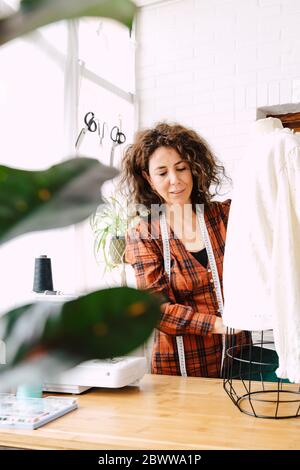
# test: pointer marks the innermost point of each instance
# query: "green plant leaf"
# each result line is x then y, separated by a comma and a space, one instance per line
99, 325
36, 13
108, 264
100, 243
64, 194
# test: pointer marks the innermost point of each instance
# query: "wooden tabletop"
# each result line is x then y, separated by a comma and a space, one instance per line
164, 412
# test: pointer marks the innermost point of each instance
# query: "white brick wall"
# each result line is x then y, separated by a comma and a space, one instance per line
210, 64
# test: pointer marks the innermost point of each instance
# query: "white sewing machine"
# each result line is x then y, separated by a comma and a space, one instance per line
113, 373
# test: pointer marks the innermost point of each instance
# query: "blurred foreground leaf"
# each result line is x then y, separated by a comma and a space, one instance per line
100, 325
36, 13
64, 194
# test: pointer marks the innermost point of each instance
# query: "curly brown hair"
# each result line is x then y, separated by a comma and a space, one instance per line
190, 146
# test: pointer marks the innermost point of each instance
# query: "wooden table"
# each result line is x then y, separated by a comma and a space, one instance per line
164, 412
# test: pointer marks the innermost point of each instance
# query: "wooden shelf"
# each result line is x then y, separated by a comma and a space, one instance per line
289, 120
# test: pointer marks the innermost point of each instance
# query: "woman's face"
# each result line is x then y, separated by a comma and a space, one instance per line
170, 176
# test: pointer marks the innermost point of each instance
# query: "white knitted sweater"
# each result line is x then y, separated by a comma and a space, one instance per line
262, 256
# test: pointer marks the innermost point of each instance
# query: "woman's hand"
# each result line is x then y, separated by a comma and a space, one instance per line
221, 329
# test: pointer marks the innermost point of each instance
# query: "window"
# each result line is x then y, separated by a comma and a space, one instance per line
33, 135
32, 101
106, 54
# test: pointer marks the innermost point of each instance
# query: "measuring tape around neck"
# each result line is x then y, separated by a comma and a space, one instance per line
167, 263
214, 271
213, 267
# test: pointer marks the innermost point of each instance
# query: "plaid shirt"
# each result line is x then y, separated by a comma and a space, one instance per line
191, 306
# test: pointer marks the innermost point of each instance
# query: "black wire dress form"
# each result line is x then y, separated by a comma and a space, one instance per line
251, 382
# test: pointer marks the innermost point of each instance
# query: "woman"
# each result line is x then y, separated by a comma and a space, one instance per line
171, 167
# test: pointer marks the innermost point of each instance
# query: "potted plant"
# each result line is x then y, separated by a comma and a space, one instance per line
110, 223
41, 338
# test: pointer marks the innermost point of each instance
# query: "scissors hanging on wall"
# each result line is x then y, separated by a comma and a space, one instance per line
101, 131
90, 125
118, 138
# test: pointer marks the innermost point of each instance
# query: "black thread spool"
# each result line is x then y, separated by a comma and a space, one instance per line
42, 274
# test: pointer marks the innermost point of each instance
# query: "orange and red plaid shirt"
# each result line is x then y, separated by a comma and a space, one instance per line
191, 305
